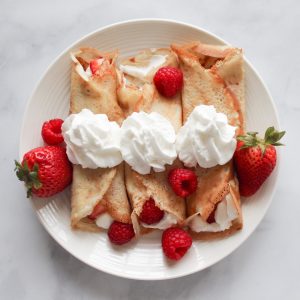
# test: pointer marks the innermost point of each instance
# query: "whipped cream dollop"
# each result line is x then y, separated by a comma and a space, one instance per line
148, 141
140, 71
225, 213
167, 221
92, 140
104, 220
206, 138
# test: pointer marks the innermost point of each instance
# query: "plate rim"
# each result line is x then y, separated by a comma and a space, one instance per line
136, 21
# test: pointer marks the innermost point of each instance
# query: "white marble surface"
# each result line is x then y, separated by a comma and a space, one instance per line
33, 266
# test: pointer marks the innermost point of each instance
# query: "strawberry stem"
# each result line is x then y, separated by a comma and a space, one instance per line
272, 137
30, 177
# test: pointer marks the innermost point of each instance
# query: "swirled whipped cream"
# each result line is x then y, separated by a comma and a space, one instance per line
225, 213
167, 221
92, 140
206, 138
147, 141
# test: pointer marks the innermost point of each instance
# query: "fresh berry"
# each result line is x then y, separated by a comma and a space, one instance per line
151, 213
98, 210
168, 81
94, 66
51, 132
183, 182
255, 159
45, 171
175, 242
120, 233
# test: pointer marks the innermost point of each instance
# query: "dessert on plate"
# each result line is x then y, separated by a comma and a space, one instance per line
98, 190
213, 75
152, 131
154, 141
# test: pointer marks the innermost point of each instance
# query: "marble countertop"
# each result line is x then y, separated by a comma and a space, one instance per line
33, 266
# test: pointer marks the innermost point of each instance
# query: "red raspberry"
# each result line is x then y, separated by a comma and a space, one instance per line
120, 233
51, 132
183, 182
151, 213
175, 243
168, 81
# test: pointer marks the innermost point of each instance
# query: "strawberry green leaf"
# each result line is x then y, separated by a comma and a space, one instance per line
249, 139
269, 132
35, 167
244, 147
30, 177
252, 133
29, 192
281, 134
272, 136
17, 165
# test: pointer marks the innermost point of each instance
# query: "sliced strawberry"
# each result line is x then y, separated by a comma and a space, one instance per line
98, 210
94, 66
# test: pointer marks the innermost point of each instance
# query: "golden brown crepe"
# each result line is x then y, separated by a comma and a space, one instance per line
213, 75
93, 186
138, 93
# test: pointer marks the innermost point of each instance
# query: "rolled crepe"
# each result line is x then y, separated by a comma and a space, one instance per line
104, 186
214, 75
136, 92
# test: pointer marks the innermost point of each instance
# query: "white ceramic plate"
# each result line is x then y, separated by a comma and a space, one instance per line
142, 259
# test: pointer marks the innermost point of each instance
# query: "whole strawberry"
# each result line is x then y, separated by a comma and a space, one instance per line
255, 159
45, 171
